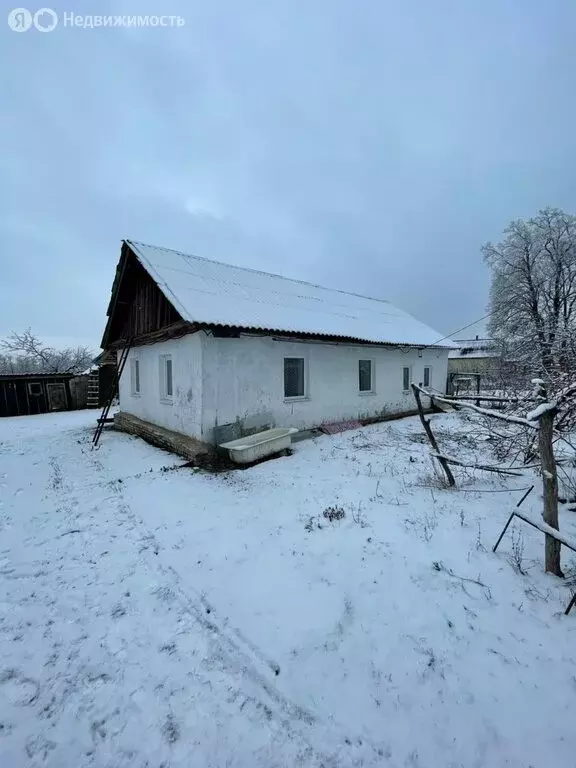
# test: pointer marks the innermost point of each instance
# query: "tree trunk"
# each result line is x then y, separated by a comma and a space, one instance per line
550, 488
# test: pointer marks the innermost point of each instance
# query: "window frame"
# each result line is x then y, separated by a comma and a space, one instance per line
304, 395
404, 369
39, 393
165, 396
372, 389
135, 377
429, 369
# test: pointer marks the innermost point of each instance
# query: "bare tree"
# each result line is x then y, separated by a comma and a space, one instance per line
25, 353
533, 291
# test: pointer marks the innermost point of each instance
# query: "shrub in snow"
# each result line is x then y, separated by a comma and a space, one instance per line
333, 513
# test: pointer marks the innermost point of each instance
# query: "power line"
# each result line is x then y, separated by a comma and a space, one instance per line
449, 336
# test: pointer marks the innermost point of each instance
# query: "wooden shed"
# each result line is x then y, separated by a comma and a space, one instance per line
26, 394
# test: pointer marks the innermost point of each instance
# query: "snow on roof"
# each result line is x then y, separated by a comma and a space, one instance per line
38, 375
474, 348
206, 291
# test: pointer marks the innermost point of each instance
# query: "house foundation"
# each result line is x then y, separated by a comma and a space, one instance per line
176, 442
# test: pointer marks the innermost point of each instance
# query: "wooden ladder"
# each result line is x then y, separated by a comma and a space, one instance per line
92, 400
115, 384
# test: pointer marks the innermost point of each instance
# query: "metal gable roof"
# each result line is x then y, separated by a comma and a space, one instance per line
213, 293
475, 348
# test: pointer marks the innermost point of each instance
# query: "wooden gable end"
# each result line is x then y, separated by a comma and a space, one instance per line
139, 312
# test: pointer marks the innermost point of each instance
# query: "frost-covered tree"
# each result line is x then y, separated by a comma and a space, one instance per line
25, 353
533, 291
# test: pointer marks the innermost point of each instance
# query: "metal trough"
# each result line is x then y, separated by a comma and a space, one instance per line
245, 450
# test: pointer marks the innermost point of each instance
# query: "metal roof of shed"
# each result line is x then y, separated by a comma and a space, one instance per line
210, 292
5, 376
475, 348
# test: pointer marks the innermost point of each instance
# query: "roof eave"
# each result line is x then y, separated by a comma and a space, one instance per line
311, 336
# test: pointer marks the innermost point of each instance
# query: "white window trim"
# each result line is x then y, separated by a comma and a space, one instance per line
306, 395
133, 391
409, 378
372, 390
164, 396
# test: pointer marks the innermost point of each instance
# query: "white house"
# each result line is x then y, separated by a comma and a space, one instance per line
218, 351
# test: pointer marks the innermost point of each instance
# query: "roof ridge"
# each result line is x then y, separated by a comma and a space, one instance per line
263, 272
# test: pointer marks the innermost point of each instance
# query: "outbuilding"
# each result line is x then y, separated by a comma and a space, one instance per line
473, 364
26, 394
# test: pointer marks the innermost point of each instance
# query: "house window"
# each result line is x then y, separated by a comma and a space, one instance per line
427, 376
406, 378
166, 382
294, 377
35, 389
135, 376
365, 375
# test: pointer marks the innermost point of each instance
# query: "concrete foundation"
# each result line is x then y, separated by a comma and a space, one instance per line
183, 445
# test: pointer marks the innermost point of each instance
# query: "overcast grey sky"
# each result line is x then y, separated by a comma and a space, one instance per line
370, 146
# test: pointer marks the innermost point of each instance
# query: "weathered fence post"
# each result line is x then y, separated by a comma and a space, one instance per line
550, 489
431, 438
545, 415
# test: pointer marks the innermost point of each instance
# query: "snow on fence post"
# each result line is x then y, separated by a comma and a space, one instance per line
545, 414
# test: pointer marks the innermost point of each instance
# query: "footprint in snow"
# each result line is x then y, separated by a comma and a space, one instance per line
39, 746
171, 730
118, 611
96, 679
168, 648
97, 730
18, 690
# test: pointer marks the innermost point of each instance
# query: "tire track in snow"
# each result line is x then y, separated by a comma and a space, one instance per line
242, 656
60, 687
201, 611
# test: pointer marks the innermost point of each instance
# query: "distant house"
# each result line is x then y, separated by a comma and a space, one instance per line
217, 351
473, 359
474, 355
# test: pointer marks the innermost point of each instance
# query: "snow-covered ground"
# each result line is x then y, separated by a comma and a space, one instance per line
164, 617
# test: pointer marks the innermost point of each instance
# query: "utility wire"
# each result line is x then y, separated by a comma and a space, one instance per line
449, 336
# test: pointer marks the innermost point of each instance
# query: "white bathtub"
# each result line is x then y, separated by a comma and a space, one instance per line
245, 450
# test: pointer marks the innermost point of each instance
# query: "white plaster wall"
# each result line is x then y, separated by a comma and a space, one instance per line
244, 378
184, 413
